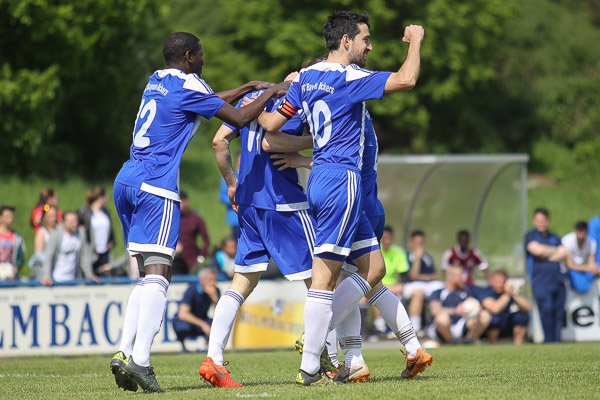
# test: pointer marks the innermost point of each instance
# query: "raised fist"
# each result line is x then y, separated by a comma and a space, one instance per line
413, 33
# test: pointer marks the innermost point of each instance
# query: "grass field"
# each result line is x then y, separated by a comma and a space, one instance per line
459, 372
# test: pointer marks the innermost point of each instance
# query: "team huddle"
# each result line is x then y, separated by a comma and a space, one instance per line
327, 236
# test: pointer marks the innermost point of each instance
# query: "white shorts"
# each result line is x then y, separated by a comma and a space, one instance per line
428, 287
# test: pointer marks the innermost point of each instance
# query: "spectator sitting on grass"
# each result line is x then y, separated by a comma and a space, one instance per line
510, 312
454, 310
224, 259
12, 248
192, 319
581, 254
66, 254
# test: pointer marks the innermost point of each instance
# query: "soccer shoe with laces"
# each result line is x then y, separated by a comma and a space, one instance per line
417, 364
360, 373
319, 378
143, 376
325, 360
122, 378
216, 375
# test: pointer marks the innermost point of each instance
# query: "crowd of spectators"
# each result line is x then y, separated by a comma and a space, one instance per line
445, 306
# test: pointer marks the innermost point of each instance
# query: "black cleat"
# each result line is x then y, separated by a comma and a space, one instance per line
117, 367
143, 376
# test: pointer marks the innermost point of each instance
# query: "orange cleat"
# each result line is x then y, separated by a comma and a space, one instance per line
216, 375
417, 364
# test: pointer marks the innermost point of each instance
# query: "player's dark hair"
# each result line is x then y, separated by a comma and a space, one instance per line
543, 211
310, 63
68, 213
183, 195
5, 207
581, 226
342, 23
417, 232
463, 232
388, 229
177, 45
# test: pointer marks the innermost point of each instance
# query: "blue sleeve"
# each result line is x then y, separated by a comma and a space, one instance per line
223, 197
365, 85
189, 295
198, 97
436, 296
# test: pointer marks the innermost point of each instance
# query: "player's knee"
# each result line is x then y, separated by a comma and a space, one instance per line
485, 317
417, 294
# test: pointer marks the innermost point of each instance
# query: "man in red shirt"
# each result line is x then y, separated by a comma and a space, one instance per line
466, 257
187, 251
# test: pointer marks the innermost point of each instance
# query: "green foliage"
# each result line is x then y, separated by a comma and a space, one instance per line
497, 75
70, 72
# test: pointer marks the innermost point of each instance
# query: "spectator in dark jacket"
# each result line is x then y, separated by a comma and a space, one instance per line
192, 319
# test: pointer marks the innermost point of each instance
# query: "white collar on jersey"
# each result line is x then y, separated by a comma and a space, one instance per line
353, 71
192, 81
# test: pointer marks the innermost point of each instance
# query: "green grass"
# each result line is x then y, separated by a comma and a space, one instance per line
475, 372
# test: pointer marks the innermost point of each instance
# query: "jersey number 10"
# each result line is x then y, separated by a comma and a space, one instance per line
314, 118
139, 140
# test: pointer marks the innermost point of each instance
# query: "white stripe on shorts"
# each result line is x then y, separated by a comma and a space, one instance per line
165, 226
351, 190
307, 226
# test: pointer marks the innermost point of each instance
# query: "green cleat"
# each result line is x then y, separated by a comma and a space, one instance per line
326, 363
143, 376
299, 344
122, 378
319, 378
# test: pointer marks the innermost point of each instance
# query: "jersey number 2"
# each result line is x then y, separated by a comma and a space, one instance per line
139, 140
314, 118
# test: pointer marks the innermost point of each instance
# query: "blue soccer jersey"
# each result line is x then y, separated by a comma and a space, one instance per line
260, 184
168, 118
332, 97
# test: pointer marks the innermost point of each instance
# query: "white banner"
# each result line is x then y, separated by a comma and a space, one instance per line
582, 317
88, 319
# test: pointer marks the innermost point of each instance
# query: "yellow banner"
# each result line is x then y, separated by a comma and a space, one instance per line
268, 324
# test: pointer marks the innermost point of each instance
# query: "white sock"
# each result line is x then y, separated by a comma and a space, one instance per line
132, 313
351, 342
396, 317
317, 316
346, 297
153, 301
332, 348
351, 346
225, 313
416, 321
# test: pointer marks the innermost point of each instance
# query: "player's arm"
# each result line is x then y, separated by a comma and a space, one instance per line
407, 75
545, 251
233, 95
220, 143
496, 305
291, 160
285, 143
240, 117
185, 314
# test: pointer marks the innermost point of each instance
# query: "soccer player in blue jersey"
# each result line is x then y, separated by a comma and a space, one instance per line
146, 189
332, 95
348, 331
274, 222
